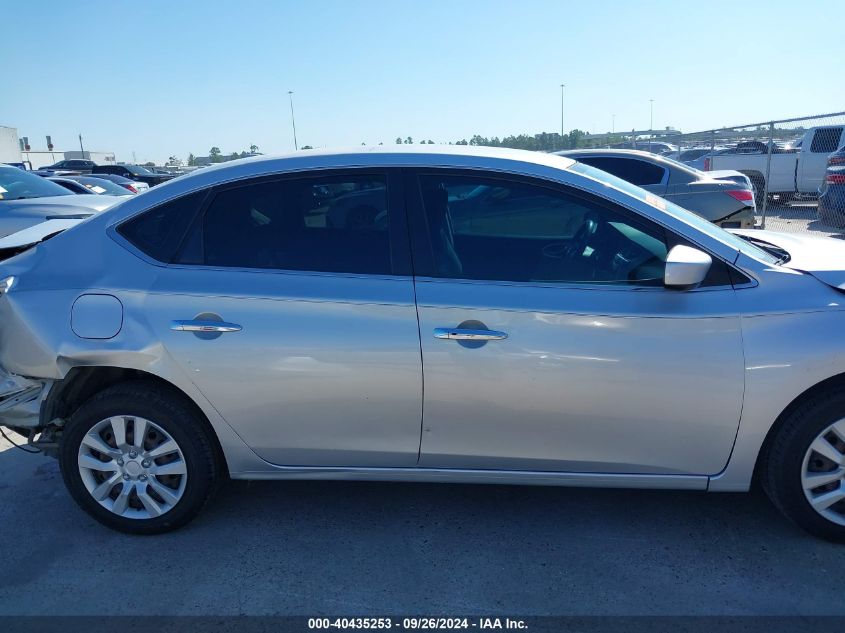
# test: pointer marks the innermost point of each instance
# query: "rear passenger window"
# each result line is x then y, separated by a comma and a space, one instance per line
159, 231
637, 172
826, 140
330, 224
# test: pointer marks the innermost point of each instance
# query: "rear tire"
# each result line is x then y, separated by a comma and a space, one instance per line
161, 479
803, 470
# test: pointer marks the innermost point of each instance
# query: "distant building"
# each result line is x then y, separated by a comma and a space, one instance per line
101, 158
13, 150
10, 149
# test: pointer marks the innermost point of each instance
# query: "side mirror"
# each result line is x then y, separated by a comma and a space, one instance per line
686, 267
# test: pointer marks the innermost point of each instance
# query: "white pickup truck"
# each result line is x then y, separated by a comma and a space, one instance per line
797, 170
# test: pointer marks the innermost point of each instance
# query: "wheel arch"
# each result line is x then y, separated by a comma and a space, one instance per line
837, 381
82, 383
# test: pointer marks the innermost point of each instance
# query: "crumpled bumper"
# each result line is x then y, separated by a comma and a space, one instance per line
20, 400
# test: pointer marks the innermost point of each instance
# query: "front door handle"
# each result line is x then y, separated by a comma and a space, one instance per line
462, 334
204, 326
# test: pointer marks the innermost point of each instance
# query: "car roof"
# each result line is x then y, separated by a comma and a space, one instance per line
453, 156
622, 153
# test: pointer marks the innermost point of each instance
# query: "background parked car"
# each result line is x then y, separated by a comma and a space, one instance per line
133, 172
832, 192
33, 208
728, 203
691, 154
75, 164
135, 186
793, 169
652, 147
91, 185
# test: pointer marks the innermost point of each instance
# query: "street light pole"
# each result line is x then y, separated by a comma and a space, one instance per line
650, 122
81, 149
613, 124
562, 93
293, 120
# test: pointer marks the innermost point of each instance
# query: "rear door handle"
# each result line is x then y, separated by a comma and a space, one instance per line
204, 326
460, 334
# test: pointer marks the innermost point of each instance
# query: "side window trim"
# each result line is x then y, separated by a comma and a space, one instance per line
114, 230
400, 253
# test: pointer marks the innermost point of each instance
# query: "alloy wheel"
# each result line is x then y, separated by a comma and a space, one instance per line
823, 473
132, 467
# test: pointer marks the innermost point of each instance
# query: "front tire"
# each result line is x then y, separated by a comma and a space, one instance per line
138, 458
805, 467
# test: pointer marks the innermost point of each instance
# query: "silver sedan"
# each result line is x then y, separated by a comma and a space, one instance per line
724, 197
423, 314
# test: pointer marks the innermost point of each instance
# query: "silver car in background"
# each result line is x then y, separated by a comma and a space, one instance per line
423, 314
725, 198
33, 208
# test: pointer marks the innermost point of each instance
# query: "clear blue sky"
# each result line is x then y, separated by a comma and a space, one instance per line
172, 77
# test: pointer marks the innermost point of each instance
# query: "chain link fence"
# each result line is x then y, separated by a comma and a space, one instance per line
785, 160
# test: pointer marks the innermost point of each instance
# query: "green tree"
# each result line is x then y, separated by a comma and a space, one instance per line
409, 141
253, 148
214, 154
398, 140
192, 160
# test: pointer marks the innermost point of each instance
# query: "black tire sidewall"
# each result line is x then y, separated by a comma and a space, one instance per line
786, 463
168, 412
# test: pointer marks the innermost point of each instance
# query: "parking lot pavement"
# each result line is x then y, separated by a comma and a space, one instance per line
308, 548
798, 217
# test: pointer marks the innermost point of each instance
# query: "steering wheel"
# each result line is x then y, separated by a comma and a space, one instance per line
580, 241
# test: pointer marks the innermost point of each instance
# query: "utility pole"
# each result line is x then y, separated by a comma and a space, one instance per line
81, 149
613, 124
562, 95
293, 120
650, 122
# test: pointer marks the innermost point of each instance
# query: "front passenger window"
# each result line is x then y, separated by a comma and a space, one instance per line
509, 231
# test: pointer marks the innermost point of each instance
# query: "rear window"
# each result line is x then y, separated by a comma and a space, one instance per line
637, 172
159, 231
17, 184
102, 186
138, 171
826, 140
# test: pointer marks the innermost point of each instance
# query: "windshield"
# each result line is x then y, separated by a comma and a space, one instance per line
674, 210
101, 186
138, 171
17, 184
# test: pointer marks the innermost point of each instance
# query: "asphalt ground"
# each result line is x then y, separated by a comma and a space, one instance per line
313, 548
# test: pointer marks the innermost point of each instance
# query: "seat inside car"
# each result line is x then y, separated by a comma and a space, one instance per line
440, 226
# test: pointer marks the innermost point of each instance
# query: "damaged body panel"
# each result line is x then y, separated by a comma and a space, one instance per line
20, 400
